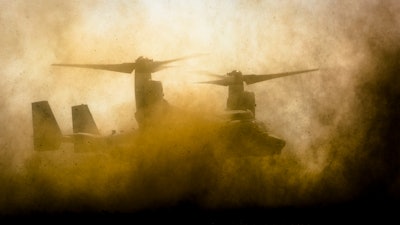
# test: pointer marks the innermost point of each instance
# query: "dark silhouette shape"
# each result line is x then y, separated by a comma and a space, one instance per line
148, 93
247, 132
150, 107
82, 120
46, 132
238, 98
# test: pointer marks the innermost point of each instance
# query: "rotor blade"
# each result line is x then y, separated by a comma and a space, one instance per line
252, 78
161, 68
157, 64
204, 72
122, 68
223, 82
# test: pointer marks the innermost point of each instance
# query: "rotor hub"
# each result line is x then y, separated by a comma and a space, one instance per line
144, 64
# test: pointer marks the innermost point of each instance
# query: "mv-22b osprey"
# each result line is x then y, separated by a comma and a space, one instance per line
238, 98
149, 104
240, 109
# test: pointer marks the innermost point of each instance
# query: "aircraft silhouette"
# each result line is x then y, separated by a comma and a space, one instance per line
150, 106
148, 93
240, 111
238, 98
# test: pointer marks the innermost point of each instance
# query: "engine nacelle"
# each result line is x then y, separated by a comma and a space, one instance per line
244, 101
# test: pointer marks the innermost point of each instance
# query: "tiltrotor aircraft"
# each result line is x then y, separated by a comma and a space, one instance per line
240, 105
238, 98
149, 105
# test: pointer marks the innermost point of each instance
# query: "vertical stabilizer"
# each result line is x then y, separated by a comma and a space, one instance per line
46, 132
82, 120
83, 123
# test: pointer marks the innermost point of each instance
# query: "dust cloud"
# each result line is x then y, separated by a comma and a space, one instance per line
337, 122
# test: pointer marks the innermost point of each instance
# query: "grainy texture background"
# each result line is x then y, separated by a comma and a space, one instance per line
340, 123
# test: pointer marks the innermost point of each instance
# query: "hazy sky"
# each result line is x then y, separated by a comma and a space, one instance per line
250, 36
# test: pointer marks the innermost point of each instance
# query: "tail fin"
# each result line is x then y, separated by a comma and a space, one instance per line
82, 120
46, 132
83, 124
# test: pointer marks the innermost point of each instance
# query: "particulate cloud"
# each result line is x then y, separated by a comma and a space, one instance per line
334, 121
